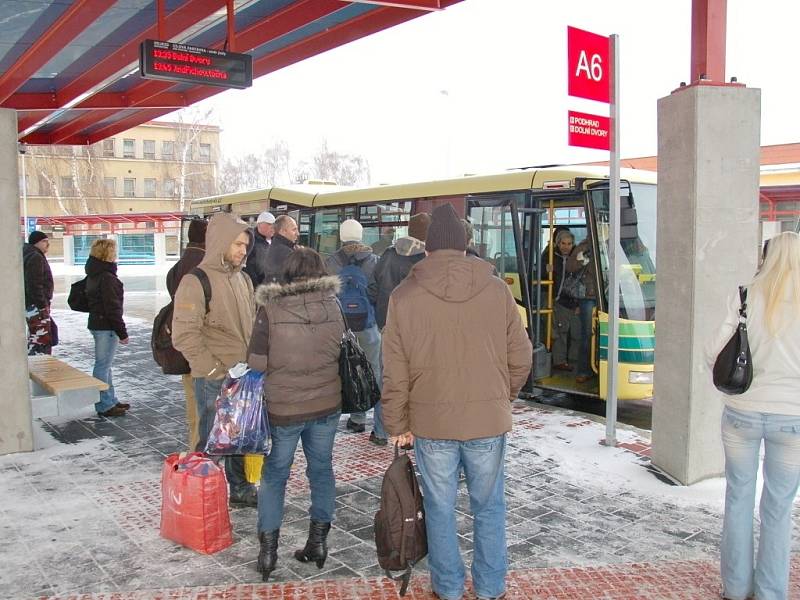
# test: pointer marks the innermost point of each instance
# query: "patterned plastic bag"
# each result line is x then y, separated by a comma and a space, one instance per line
240, 425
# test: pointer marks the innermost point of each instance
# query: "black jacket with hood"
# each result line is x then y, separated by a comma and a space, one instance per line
257, 259
392, 268
279, 250
192, 256
104, 291
38, 277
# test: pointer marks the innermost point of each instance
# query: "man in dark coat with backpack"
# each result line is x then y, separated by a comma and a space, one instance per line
192, 256
42, 331
455, 356
354, 263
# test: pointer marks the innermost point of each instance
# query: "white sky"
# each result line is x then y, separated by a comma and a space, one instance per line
502, 64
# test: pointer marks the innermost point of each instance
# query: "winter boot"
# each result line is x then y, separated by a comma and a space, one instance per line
316, 546
268, 554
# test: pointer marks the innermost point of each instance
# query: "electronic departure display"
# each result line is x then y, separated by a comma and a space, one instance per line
190, 64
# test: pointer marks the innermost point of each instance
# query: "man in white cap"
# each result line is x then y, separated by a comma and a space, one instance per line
262, 238
354, 263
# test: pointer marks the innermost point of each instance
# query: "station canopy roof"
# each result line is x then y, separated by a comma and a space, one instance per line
70, 67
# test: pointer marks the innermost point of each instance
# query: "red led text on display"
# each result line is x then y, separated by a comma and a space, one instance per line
190, 64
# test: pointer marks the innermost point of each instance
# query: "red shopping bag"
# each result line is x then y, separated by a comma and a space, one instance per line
194, 503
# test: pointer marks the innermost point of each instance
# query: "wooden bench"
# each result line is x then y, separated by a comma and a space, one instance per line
60, 389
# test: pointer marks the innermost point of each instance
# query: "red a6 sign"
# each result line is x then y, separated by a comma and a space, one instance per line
588, 65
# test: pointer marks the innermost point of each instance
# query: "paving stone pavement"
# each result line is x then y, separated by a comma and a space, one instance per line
82, 516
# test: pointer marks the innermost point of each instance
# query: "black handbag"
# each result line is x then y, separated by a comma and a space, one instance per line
733, 369
360, 391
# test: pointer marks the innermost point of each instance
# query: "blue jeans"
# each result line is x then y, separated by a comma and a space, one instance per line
586, 310
439, 463
317, 436
205, 394
105, 346
742, 432
370, 342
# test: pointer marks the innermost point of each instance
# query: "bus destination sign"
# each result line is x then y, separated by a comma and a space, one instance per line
190, 64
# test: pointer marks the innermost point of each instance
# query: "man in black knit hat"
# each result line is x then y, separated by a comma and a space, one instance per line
455, 355
42, 330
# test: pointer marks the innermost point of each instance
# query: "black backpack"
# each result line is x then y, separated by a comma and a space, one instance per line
77, 299
400, 537
166, 356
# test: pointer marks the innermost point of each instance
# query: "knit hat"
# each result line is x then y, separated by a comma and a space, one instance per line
36, 236
197, 231
265, 217
446, 231
418, 226
350, 231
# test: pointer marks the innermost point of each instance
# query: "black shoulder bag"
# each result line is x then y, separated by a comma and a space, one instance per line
733, 369
360, 391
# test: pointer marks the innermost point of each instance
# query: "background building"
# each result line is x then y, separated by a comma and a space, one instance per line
144, 173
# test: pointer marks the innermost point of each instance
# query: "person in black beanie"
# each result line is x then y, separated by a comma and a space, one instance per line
455, 355
42, 330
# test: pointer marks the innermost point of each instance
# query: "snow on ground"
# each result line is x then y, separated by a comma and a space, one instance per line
580, 456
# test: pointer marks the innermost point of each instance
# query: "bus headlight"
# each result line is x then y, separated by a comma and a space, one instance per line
640, 377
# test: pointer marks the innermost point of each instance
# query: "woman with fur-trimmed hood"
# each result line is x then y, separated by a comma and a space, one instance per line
295, 342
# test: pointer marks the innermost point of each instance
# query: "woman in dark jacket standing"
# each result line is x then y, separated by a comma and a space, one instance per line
104, 291
296, 341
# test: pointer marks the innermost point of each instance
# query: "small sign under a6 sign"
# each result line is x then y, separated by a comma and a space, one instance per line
588, 131
588, 65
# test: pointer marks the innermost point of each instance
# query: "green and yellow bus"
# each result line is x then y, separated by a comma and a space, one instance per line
514, 215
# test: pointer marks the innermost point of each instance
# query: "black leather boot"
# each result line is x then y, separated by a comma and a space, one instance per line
268, 554
316, 548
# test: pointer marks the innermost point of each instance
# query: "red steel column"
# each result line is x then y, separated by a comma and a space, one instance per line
708, 40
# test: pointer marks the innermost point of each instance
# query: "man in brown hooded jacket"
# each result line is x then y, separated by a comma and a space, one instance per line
214, 341
455, 355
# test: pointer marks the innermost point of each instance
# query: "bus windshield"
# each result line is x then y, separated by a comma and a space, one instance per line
638, 241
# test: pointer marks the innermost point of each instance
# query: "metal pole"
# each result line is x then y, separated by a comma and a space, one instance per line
22, 151
614, 251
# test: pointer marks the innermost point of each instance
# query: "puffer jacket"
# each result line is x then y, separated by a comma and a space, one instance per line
393, 266
455, 353
214, 342
296, 341
105, 293
38, 277
585, 268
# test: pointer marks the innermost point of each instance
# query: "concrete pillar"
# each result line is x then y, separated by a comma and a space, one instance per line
69, 250
708, 178
160, 247
16, 426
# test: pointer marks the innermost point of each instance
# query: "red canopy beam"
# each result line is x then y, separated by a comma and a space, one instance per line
178, 21
271, 28
708, 40
67, 27
413, 4
364, 25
